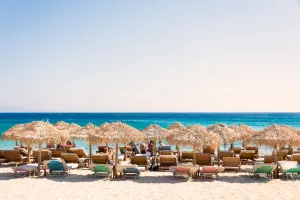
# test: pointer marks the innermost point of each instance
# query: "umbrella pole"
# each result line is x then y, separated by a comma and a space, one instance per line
29, 149
218, 156
90, 153
17, 143
39, 159
125, 155
73, 143
116, 160
232, 148
178, 152
154, 151
276, 172
106, 147
194, 155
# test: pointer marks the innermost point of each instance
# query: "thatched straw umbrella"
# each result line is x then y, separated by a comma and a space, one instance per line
69, 128
208, 138
83, 133
173, 130
99, 136
227, 135
38, 132
13, 133
244, 132
120, 132
276, 136
155, 132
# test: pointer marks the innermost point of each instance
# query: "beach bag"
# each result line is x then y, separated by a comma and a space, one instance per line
154, 168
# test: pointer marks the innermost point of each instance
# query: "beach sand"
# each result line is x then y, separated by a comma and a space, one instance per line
79, 184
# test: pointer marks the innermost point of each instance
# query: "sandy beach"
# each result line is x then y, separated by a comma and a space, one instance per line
79, 184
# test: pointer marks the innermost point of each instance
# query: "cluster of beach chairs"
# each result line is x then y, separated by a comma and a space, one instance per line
207, 165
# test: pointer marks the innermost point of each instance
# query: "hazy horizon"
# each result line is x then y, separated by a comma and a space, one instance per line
150, 56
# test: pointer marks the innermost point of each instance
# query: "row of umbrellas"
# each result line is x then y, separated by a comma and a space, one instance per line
177, 134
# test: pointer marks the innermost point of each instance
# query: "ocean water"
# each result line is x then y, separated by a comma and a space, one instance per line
140, 120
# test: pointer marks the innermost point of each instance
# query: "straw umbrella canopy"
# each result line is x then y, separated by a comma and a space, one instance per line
69, 128
227, 135
244, 132
38, 132
208, 138
155, 132
83, 133
13, 133
99, 136
121, 132
173, 130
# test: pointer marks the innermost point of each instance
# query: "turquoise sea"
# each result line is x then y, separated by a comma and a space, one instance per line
141, 120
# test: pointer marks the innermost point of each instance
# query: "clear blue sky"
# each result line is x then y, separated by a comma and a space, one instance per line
94, 56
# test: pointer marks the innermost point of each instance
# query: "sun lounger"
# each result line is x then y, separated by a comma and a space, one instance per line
79, 151
128, 148
289, 169
57, 168
181, 171
247, 155
261, 169
45, 155
73, 158
204, 159
120, 168
12, 156
2, 159
140, 161
296, 157
232, 163
186, 156
226, 154
283, 155
269, 159
209, 150
102, 170
209, 172
131, 173
25, 170
166, 152
57, 153
255, 148
166, 161
101, 149
101, 159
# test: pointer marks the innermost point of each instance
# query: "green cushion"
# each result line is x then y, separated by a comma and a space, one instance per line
264, 169
101, 169
294, 170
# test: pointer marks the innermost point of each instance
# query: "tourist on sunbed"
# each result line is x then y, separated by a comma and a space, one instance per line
161, 144
60, 147
143, 148
150, 147
134, 148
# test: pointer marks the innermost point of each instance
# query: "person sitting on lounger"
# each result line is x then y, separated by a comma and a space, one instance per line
60, 147
143, 148
161, 144
134, 148
150, 147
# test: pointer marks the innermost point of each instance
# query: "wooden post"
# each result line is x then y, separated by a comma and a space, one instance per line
39, 159
232, 148
90, 153
125, 155
107, 147
276, 171
218, 156
116, 160
154, 153
178, 152
17, 143
194, 155
28, 150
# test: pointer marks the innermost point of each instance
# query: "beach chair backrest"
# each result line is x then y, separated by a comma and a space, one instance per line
204, 159
139, 160
57, 153
231, 161
187, 154
102, 149
269, 159
226, 154
255, 148
209, 150
45, 155
166, 152
79, 151
70, 157
237, 150
55, 165
100, 159
296, 157
167, 160
12, 156
247, 154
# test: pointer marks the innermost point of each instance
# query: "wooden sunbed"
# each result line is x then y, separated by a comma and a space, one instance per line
140, 161
296, 157
45, 155
166, 161
79, 151
247, 155
57, 153
100, 159
204, 159
232, 163
14, 156
255, 148
226, 154
73, 158
186, 156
